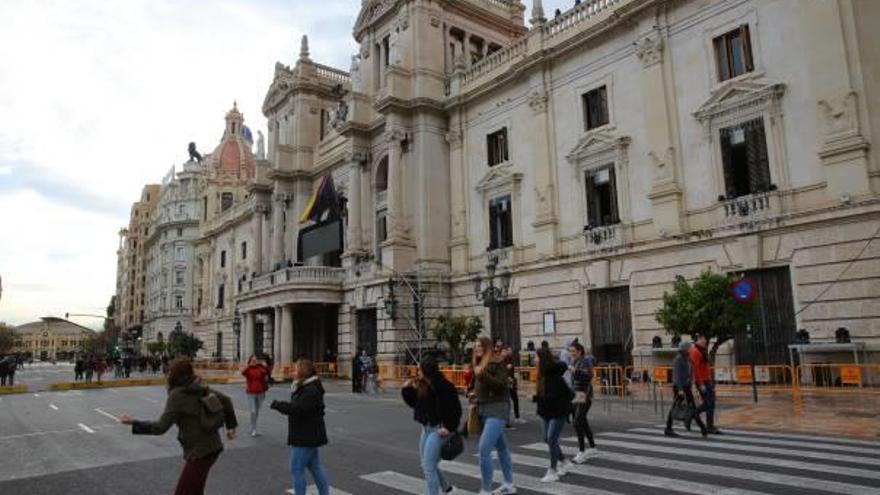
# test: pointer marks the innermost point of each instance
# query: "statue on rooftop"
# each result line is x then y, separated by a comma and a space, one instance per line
194, 155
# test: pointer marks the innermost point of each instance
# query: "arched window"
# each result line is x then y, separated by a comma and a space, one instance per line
382, 175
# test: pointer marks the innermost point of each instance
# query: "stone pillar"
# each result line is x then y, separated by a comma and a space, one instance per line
459, 242
276, 334
247, 349
395, 218
546, 218
286, 333
353, 235
257, 230
277, 231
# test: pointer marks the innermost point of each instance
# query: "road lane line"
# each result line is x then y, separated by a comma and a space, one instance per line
86, 428
786, 443
659, 438
402, 482
525, 482
105, 413
53, 406
37, 395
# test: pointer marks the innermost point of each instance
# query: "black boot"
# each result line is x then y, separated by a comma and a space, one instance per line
670, 433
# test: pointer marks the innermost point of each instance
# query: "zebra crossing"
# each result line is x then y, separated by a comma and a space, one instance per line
644, 461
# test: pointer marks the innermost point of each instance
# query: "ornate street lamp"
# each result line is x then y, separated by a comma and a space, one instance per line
390, 301
236, 331
491, 294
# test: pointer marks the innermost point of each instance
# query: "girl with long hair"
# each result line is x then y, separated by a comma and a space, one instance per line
554, 406
306, 431
189, 403
437, 408
492, 393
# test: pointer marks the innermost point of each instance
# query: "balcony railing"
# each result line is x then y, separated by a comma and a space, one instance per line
304, 274
748, 209
603, 237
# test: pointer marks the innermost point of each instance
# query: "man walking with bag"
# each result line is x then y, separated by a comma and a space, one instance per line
683, 407
699, 356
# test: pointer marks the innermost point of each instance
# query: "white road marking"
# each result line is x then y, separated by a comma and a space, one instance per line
527, 482
105, 413
313, 490
37, 395
402, 482
794, 436
86, 428
53, 406
746, 459
785, 443
746, 448
672, 465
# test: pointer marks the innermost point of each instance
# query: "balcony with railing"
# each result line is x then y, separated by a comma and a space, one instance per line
296, 277
749, 210
604, 237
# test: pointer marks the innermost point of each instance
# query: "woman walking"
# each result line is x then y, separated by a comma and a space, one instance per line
492, 394
305, 427
256, 375
436, 407
510, 365
198, 412
582, 378
554, 406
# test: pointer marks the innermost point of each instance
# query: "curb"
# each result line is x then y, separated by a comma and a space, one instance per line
148, 382
14, 389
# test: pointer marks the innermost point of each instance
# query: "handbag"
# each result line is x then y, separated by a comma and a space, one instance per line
682, 410
474, 427
452, 446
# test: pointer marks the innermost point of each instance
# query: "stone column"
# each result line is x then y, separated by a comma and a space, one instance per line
247, 348
458, 189
276, 334
353, 236
546, 218
395, 221
286, 333
257, 230
277, 231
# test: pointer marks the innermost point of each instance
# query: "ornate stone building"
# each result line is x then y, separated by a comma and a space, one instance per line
51, 338
554, 179
131, 272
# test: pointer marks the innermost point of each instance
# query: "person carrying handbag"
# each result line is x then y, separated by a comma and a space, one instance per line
436, 407
682, 382
582, 378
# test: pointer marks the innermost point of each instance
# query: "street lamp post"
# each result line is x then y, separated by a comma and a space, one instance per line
491, 294
389, 301
236, 331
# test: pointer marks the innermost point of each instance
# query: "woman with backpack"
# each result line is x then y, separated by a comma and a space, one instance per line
436, 407
492, 393
257, 376
305, 427
554, 406
199, 412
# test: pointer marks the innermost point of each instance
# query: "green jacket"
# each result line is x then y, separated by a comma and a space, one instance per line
493, 384
184, 409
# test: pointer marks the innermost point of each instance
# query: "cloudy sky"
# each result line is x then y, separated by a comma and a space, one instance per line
98, 98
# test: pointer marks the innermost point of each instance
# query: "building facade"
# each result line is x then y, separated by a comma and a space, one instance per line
131, 269
554, 179
51, 338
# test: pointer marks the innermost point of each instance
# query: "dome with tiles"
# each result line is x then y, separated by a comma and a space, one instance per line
233, 156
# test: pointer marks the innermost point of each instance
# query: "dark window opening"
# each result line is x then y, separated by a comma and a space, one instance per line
744, 156
244, 250
497, 147
500, 223
382, 176
386, 47
204, 208
220, 296
601, 197
225, 201
733, 53
222, 259
596, 108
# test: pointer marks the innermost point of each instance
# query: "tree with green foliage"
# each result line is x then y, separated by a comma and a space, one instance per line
184, 344
457, 332
7, 338
704, 307
156, 348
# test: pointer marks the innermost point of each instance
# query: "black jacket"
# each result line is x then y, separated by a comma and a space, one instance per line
305, 415
440, 405
557, 397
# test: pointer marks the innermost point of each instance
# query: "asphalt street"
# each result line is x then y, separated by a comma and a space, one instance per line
69, 442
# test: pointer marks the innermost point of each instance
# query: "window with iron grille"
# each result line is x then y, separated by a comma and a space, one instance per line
595, 108
497, 147
500, 223
601, 193
733, 53
744, 157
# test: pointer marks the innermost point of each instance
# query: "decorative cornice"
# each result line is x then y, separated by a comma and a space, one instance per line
649, 49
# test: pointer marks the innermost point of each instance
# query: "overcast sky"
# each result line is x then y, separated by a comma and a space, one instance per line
98, 98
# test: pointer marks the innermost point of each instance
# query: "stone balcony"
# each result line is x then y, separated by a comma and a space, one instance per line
749, 211
298, 284
604, 237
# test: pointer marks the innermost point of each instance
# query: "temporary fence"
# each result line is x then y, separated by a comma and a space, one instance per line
838, 378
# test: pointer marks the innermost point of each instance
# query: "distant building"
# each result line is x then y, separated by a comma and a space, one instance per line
51, 338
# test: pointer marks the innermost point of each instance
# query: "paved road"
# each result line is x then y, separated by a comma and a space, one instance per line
39, 375
69, 442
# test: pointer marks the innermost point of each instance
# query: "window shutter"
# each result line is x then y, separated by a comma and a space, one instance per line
493, 225
726, 159
602, 96
490, 150
756, 153
721, 58
502, 142
612, 183
747, 47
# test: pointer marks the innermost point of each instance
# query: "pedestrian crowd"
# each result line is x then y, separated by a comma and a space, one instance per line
563, 396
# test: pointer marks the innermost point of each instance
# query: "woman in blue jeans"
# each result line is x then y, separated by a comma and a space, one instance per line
554, 407
491, 394
437, 408
306, 430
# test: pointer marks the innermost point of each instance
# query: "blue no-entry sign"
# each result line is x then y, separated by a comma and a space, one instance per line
743, 290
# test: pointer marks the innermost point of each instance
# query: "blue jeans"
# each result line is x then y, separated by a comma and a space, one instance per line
708, 404
552, 430
429, 451
493, 438
302, 458
254, 403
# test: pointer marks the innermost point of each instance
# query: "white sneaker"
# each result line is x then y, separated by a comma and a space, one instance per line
581, 458
505, 490
519, 421
550, 477
254, 434
593, 452
563, 468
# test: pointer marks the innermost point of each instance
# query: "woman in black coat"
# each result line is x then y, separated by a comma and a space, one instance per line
436, 407
554, 406
305, 427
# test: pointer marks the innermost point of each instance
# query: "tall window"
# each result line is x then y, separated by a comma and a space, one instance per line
223, 259
178, 277
381, 226
744, 155
225, 201
601, 197
179, 232
733, 53
221, 292
500, 223
244, 250
178, 301
497, 147
595, 108
204, 208
386, 50
180, 253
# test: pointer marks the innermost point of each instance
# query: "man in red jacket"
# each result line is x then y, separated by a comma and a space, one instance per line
699, 357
